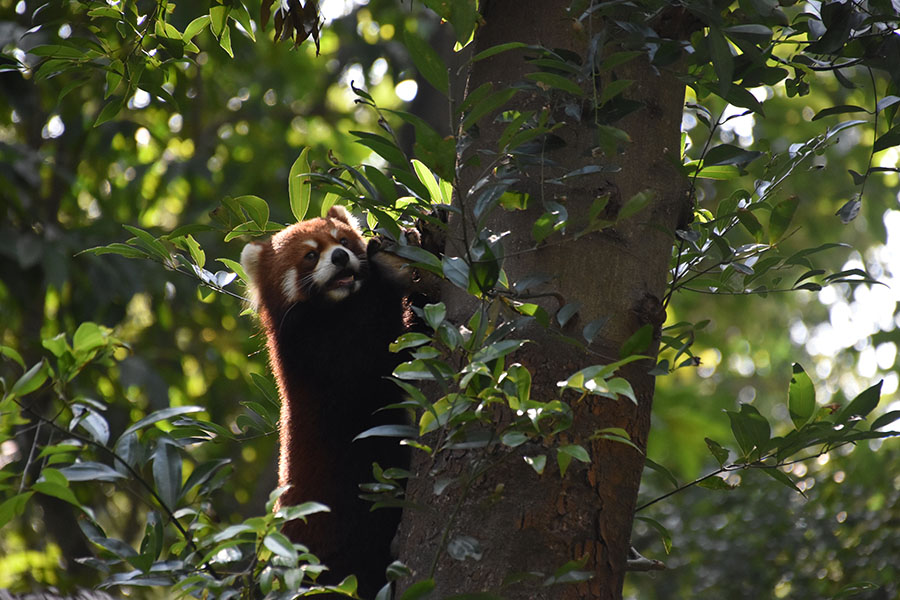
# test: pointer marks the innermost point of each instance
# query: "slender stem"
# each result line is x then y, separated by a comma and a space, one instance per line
34, 443
759, 464
862, 188
680, 488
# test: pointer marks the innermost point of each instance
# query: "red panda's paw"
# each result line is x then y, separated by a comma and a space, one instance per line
373, 247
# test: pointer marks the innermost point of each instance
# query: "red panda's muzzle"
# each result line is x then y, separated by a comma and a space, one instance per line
345, 278
341, 273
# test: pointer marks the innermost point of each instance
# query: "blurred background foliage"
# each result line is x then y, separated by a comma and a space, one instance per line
235, 128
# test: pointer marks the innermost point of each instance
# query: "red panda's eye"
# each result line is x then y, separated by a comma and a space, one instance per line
345, 242
311, 255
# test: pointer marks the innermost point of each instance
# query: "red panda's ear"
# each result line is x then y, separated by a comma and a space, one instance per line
340, 213
250, 260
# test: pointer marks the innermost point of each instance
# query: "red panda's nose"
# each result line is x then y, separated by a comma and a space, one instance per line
340, 257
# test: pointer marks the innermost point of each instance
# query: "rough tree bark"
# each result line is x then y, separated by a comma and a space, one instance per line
525, 522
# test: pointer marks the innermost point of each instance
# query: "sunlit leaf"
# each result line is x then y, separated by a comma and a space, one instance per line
298, 186
427, 61
801, 397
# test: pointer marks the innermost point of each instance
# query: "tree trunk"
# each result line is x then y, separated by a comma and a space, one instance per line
526, 523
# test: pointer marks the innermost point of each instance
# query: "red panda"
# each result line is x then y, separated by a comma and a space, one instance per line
330, 304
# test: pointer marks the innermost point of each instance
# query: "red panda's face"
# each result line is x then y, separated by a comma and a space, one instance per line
319, 258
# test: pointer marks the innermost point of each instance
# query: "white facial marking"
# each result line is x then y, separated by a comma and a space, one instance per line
290, 286
250, 259
334, 232
313, 243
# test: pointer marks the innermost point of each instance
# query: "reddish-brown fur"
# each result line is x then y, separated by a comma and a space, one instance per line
330, 358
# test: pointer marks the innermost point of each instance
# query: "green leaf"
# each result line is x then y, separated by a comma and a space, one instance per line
114, 74
860, 406
887, 140
427, 61
754, 32
299, 190
161, 415
750, 428
717, 484
497, 350
742, 97
565, 454
548, 223
167, 472
801, 397
57, 51
519, 390
31, 380
552, 80
613, 89
392, 431
635, 204
90, 471
621, 387
513, 439
118, 248
885, 419
638, 342
571, 572
13, 354
718, 452
456, 270
150, 243
563, 461
419, 589
655, 466
218, 15
728, 154
750, 223
538, 463
381, 146
195, 27
301, 511
663, 532
225, 42
783, 478
110, 110
435, 314
239, 13
409, 340
781, 217
257, 209
619, 58
13, 507
427, 178
203, 473
89, 336
498, 49
838, 110
279, 544
719, 172
462, 15
487, 105
722, 58
57, 491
